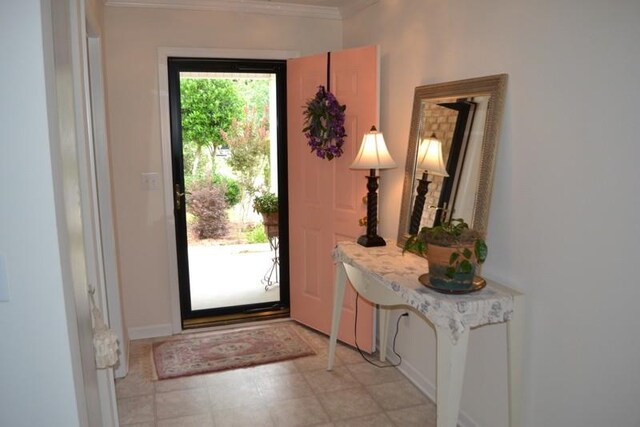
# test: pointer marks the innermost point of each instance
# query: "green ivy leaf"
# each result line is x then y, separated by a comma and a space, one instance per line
454, 256
481, 251
466, 266
450, 273
467, 253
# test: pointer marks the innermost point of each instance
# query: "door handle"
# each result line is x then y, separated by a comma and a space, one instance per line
178, 196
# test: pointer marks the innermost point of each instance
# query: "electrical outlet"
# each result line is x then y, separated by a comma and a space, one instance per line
406, 317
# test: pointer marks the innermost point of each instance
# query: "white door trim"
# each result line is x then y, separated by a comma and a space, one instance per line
101, 263
112, 305
107, 279
165, 132
65, 52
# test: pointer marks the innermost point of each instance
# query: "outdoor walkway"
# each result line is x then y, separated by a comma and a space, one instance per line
229, 275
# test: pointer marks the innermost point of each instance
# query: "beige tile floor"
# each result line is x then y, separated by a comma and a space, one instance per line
299, 392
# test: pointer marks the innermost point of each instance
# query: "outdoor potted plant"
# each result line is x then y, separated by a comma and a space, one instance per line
454, 251
266, 204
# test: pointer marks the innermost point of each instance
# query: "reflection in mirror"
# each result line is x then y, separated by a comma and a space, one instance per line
458, 124
464, 117
431, 162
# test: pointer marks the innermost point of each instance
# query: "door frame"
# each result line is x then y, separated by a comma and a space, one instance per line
105, 265
69, 107
165, 132
278, 69
112, 305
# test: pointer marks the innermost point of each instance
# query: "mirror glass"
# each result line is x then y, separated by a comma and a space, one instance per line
464, 116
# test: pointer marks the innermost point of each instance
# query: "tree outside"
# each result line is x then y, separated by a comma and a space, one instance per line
225, 132
248, 142
209, 106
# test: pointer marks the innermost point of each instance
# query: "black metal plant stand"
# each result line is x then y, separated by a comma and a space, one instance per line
271, 277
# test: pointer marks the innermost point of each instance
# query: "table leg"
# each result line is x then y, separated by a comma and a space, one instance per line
514, 349
338, 297
450, 362
383, 315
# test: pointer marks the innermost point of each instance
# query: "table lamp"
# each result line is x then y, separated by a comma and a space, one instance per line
373, 155
430, 160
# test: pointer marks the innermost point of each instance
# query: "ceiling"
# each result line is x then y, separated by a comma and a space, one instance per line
345, 7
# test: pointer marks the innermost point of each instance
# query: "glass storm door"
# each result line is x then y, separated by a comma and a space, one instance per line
228, 136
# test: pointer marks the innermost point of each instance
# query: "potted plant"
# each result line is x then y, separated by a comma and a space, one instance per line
454, 251
266, 204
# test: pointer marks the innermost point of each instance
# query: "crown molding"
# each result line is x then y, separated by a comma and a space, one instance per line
246, 6
355, 6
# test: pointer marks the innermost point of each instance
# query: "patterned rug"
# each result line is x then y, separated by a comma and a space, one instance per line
200, 353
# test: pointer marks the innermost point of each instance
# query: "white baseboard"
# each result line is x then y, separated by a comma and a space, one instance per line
153, 331
424, 384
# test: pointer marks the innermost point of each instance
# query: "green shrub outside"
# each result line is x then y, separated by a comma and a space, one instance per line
232, 190
230, 186
256, 234
191, 219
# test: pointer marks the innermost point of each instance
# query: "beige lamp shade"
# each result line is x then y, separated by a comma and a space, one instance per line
373, 152
430, 156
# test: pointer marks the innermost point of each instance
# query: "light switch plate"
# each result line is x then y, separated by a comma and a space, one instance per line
4, 281
149, 181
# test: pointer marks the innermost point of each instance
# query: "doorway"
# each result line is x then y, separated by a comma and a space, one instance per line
228, 139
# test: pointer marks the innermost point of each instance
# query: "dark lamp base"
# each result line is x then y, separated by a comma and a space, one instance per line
371, 241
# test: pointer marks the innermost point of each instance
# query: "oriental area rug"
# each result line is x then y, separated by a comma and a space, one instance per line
205, 352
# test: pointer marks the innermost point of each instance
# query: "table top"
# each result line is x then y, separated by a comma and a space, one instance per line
399, 273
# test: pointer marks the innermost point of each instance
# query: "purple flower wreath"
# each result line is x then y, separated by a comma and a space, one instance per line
324, 124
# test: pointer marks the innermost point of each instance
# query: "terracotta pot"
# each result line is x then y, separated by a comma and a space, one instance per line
270, 222
438, 257
270, 218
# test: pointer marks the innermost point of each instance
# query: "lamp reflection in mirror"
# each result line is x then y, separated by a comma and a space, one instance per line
373, 155
431, 161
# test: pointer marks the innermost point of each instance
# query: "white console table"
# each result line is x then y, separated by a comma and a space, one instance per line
386, 277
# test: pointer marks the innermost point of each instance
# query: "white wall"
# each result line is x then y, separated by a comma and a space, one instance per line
133, 37
564, 223
36, 374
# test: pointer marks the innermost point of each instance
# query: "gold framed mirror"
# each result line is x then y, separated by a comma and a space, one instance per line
465, 116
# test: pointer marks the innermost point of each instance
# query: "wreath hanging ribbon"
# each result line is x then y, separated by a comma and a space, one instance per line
324, 122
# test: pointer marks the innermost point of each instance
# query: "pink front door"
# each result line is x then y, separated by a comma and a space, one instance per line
326, 197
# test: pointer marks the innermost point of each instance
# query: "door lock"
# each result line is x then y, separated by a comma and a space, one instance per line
178, 196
